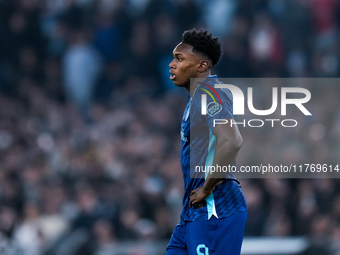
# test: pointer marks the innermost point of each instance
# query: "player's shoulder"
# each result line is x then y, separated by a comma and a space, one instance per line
207, 86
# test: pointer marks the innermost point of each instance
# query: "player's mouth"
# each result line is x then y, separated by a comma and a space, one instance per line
172, 76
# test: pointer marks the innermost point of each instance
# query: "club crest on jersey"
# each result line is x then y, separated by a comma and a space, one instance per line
213, 108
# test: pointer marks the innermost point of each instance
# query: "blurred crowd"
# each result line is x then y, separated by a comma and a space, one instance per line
89, 120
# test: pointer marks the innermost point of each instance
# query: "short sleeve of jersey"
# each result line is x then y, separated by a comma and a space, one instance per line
219, 103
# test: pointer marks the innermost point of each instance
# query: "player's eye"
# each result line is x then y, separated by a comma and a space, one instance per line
179, 59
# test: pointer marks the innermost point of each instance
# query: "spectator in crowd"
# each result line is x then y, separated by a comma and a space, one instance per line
81, 67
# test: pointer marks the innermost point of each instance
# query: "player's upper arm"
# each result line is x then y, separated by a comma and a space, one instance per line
229, 134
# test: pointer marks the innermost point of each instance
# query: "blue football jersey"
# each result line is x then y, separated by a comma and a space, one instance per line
198, 145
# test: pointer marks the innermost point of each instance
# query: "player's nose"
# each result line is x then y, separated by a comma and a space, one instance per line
172, 64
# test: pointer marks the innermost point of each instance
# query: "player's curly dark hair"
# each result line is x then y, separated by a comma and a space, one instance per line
203, 42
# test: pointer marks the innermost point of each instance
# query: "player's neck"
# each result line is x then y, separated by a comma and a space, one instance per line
192, 87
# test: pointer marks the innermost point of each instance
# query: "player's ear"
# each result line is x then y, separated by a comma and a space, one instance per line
204, 65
